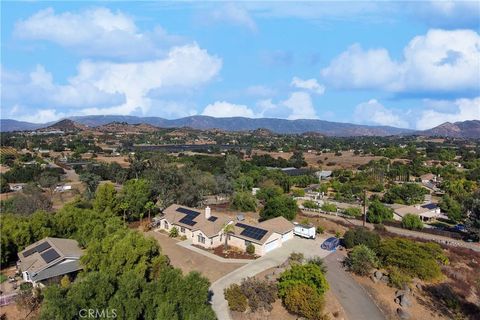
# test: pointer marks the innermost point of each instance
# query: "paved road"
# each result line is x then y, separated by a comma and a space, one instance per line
356, 302
309, 248
404, 232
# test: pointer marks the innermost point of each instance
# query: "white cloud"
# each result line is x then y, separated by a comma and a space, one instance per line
234, 14
97, 32
223, 109
301, 106
464, 109
440, 61
42, 116
38, 89
373, 112
310, 84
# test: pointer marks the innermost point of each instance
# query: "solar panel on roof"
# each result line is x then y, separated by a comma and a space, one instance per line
251, 232
29, 252
50, 255
186, 220
190, 213
42, 246
212, 219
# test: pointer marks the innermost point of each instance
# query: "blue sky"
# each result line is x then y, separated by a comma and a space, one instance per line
404, 64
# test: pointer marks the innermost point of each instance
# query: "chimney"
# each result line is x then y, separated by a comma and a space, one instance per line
207, 212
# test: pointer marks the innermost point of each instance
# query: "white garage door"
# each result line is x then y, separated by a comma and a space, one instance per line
287, 236
272, 245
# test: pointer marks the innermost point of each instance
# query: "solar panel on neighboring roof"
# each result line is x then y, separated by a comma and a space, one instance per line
212, 219
186, 220
251, 232
39, 248
190, 213
430, 206
42, 246
50, 255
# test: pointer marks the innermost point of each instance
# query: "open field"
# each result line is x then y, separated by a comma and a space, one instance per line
121, 160
326, 161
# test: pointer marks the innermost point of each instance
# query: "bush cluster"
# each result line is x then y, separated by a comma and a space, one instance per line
252, 293
361, 260
354, 237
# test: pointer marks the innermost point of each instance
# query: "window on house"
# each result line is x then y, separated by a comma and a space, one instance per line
201, 239
165, 223
247, 243
182, 230
211, 241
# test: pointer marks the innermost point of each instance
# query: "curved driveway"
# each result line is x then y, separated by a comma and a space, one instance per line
351, 296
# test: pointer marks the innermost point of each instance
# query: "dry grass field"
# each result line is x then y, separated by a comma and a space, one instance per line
326, 161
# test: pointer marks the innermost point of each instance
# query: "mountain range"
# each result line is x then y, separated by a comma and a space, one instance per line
465, 129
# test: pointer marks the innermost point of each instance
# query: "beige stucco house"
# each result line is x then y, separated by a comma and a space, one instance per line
205, 229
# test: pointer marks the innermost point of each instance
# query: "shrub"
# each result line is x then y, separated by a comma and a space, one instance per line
183, 238
320, 230
237, 301
414, 259
338, 234
303, 300
260, 294
412, 222
354, 212
329, 207
309, 274
379, 227
309, 204
298, 192
398, 278
378, 212
244, 201
319, 262
173, 232
361, 260
354, 237
282, 205
296, 257
250, 249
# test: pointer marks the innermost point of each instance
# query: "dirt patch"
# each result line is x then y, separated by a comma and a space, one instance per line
13, 312
188, 260
121, 160
327, 161
423, 306
328, 226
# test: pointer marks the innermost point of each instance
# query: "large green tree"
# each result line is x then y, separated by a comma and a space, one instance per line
135, 193
282, 205
378, 212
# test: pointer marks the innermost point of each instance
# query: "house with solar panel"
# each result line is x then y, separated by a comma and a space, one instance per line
205, 228
49, 259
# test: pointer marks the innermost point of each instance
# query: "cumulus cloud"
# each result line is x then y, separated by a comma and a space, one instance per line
373, 112
115, 88
38, 88
447, 13
459, 110
310, 84
96, 32
41, 116
223, 109
440, 61
301, 106
234, 14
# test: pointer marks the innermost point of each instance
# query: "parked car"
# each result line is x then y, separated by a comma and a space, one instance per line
330, 244
305, 231
460, 227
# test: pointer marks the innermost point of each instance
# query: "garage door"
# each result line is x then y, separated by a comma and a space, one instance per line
287, 236
272, 245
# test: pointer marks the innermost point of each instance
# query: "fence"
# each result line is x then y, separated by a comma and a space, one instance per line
6, 299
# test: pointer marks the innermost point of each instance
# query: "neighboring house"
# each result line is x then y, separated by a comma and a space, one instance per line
205, 229
63, 188
429, 177
427, 212
49, 259
17, 186
323, 175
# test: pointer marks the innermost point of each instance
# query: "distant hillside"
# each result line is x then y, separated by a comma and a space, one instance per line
7, 125
126, 127
469, 129
465, 129
65, 125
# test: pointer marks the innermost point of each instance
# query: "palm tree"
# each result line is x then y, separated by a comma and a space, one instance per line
149, 206
227, 230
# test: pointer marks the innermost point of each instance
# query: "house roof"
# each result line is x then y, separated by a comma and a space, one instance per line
209, 227
279, 225
48, 252
426, 210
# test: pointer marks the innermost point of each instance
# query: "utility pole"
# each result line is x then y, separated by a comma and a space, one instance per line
364, 207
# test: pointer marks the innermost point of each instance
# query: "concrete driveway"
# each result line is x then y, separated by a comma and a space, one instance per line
356, 302
309, 248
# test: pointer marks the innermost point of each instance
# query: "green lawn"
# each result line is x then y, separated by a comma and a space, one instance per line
3, 278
